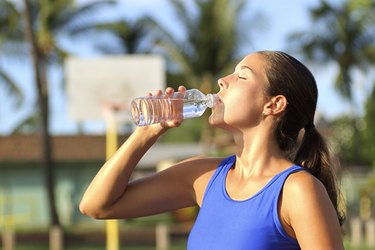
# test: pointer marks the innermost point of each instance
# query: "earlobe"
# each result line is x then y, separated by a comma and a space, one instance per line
266, 112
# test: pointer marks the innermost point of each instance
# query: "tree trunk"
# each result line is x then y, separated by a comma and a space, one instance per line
39, 66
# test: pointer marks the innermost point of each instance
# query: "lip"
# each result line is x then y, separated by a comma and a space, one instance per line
219, 99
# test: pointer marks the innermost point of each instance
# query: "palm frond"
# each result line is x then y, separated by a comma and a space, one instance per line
341, 34
67, 15
11, 87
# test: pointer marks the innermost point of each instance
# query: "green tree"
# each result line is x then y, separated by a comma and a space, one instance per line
341, 34
206, 47
45, 20
10, 34
368, 132
128, 37
210, 40
342, 137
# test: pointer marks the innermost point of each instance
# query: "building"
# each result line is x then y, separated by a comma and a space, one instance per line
77, 159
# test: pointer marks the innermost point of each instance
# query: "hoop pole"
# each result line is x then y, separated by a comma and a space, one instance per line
112, 226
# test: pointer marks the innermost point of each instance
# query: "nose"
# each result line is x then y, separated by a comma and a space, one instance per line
222, 83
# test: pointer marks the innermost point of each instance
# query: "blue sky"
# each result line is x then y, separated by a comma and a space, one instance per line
283, 17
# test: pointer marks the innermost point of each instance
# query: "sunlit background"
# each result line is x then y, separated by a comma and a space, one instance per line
48, 157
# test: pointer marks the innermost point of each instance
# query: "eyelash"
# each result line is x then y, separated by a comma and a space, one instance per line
242, 78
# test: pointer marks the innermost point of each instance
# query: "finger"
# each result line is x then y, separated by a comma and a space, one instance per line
169, 92
182, 89
171, 123
159, 93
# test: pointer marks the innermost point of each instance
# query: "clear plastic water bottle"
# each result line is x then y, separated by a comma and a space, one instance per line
154, 109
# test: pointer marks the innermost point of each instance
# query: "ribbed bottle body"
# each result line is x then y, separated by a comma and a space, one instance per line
155, 109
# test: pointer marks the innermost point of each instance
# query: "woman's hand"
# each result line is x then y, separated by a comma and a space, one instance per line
173, 106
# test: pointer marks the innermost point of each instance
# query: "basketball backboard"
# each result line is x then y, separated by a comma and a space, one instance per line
94, 84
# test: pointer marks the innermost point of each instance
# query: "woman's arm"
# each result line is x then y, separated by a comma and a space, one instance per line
111, 195
111, 182
108, 188
306, 207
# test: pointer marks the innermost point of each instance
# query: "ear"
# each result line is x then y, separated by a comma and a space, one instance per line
276, 105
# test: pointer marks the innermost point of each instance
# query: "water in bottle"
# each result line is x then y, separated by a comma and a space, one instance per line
154, 109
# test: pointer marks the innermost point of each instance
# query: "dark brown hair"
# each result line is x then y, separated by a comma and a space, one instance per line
289, 77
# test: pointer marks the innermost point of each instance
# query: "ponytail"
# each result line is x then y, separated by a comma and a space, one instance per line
289, 77
313, 154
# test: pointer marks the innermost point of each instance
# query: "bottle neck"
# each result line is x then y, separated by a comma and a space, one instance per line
211, 100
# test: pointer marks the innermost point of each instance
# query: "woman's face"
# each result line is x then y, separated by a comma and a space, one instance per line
242, 95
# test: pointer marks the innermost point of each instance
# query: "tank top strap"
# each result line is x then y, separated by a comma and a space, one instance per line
277, 182
281, 177
220, 173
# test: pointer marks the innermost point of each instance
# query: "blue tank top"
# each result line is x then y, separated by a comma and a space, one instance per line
224, 223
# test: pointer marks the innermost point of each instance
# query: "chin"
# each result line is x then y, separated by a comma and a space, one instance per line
212, 121
217, 122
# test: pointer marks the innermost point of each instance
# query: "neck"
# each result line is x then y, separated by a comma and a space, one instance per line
257, 153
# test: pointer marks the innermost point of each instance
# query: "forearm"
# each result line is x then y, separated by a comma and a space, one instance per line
111, 181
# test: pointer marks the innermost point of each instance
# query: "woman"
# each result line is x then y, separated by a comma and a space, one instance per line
272, 194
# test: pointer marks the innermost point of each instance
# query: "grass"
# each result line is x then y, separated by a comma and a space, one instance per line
175, 245
178, 245
347, 246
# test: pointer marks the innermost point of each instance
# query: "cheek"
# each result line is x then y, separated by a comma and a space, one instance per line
239, 110
227, 116
243, 112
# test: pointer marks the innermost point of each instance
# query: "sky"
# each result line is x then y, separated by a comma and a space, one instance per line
282, 18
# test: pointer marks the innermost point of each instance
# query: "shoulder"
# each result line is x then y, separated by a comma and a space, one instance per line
198, 165
191, 169
198, 168
302, 189
197, 172
303, 183
307, 209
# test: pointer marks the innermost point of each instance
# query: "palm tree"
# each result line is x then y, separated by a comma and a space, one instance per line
11, 87
341, 34
211, 40
10, 33
208, 48
45, 21
128, 36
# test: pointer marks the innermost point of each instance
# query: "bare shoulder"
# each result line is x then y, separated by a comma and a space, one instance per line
307, 209
198, 172
305, 191
198, 167
303, 183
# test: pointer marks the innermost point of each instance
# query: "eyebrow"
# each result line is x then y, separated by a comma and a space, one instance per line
246, 67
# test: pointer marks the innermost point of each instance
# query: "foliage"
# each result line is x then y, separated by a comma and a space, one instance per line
44, 20
368, 132
190, 131
53, 18
342, 34
10, 34
353, 151
342, 138
207, 49
210, 41
128, 36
